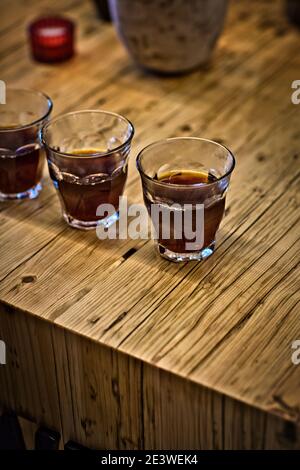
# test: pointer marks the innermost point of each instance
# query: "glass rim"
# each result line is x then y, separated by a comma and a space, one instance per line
194, 185
36, 121
91, 155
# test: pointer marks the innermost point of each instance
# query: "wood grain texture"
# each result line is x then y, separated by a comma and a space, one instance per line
220, 332
105, 399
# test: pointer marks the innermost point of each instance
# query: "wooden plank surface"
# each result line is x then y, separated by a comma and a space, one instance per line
104, 399
227, 323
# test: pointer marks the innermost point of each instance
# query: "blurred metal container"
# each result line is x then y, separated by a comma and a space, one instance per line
293, 11
169, 36
103, 9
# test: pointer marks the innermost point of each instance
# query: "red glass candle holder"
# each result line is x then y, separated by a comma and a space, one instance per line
52, 39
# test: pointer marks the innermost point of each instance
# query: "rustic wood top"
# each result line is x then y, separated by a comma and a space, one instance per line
227, 323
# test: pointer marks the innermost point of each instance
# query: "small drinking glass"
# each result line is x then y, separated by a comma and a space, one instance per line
21, 156
184, 182
87, 153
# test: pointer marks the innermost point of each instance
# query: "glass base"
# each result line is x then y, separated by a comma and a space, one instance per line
182, 257
91, 225
31, 193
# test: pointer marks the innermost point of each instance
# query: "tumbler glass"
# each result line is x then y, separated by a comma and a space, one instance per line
21, 155
184, 182
87, 153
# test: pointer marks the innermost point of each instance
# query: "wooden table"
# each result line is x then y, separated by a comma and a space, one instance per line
110, 344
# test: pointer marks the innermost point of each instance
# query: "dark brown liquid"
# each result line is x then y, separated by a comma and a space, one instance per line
81, 199
21, 164
212, 214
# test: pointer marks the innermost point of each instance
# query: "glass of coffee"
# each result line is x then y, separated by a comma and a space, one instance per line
21, 155
184, 182
87, 153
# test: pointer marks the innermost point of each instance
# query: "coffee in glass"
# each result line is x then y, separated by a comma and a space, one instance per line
184, 182
21, 154
87, 154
